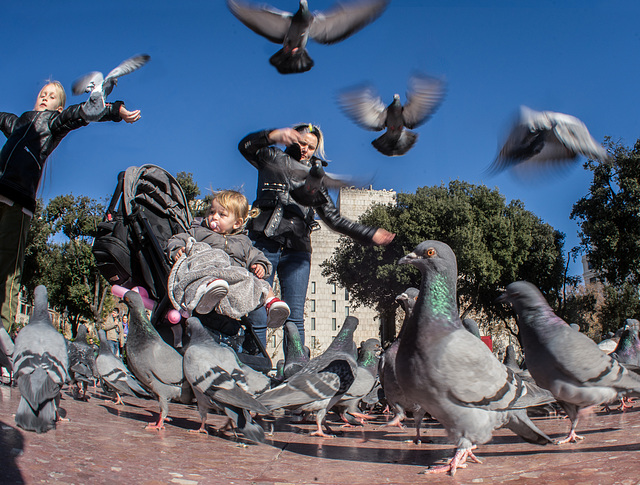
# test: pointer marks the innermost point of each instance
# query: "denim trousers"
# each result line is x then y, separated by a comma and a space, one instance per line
292, 268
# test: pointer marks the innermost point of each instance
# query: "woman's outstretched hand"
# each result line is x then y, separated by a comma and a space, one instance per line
382, 237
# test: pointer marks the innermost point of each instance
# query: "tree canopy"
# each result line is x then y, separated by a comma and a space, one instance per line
495, 244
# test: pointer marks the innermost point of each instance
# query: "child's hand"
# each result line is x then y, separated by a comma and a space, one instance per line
129, 116
258, 270
178, 254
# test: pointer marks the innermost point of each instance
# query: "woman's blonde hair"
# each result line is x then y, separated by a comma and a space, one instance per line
236, 203
62, 95
305, 128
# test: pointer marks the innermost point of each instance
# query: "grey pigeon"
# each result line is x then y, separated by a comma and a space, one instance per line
82, 364
393, 392
453, 375
294, 30
156, 364
628, 350
366, 374
322, 382
115, 375
510, 358
296, 356
566, 362
310, 192
100, 87
6, 349
541, 139
471, 326
215, 387
365, 108
40, 364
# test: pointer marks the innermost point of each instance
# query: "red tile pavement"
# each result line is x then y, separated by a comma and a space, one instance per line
105, 443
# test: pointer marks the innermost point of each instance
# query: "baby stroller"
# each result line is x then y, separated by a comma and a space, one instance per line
147, 208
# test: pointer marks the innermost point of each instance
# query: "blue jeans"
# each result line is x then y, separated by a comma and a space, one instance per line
293, 268
115, 348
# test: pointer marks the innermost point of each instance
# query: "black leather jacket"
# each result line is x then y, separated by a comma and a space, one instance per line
282, 218
31, 137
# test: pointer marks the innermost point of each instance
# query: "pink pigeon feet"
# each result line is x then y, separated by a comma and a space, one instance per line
572, 438
458, 461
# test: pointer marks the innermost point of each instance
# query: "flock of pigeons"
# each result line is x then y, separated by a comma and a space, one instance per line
437, 366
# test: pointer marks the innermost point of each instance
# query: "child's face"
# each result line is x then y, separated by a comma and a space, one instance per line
221, 220
48, 99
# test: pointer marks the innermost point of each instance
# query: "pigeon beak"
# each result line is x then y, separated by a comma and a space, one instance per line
504, 298
408, 259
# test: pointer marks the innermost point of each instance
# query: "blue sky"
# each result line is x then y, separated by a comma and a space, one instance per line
209, 83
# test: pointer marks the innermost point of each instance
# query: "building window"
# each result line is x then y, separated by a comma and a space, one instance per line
333, 305
313, 323
346, 294
592, 280
346, 311
313, 287
273, 341
334, 289
313, 341
334, 324
312, 304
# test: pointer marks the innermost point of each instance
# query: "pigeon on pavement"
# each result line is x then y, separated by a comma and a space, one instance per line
471, 326
566, 362
628, 350
215, 387
453, 375
544, 138
40, 363
82, 364
322, 382
156, 364
115, 375
293, 30
6, 349
296, 356
365, 108
366, 374
100, 87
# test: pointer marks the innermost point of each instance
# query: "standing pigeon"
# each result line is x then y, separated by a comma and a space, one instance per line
566, 362
366, 109
453, 375
82, 364
40, 364
293, 30
366, 374
215, 387
100, 87
322, 382
544, 138
114, 374
471, 326
156, 364
296, 356
628, 350
6, 349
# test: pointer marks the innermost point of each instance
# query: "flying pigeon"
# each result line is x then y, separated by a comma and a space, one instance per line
156, 364
453, 375
364, 107
100, 87
366, 374
543, 138
322, 382
40, 364
392, 391
115, 375
293, 30
215, 387
310, 192
566, 362
6, 349
82, 364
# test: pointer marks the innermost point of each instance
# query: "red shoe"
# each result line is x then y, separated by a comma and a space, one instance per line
277, 313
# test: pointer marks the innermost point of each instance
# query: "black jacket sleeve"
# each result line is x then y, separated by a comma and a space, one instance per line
329, 213
7, 122
256, 142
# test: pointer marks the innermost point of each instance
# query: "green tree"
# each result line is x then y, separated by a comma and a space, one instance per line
620, 302
609, 215
190, 187
495, 244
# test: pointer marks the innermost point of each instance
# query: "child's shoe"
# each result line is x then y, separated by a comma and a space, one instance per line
213, 293
277, 312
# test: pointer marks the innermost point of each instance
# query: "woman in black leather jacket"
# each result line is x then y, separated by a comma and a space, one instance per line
282, 231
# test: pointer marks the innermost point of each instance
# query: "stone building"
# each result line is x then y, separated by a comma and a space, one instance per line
328, 305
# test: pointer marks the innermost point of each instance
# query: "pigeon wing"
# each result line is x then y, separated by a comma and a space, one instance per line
266, 21
364, 107
423, 99
344, 20
129, 65
87, 83
301, 389
575, 136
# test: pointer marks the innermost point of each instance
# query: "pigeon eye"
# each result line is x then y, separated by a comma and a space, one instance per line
430, 252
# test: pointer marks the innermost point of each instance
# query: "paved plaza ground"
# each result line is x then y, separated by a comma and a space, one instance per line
105, 443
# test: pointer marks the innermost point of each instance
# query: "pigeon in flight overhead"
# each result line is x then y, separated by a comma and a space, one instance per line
100, 87
541, 139
453, 375
82, 364
156, 364
294, 30
322, 382
215, 387
364, 107
115, 375
566, 362
40, 364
